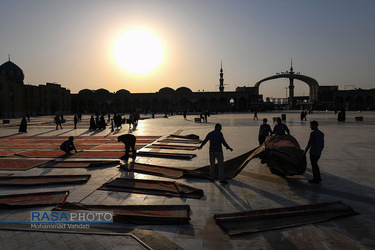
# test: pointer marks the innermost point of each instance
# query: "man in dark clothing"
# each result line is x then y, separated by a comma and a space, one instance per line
68, 146
264, 131
216, 138
75, 121
280, 128
129, 141
315, 145
23, 126
58, 122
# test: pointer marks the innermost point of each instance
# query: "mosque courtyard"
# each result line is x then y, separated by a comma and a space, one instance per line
346, 167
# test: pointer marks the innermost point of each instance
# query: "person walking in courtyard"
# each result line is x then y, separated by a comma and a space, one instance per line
264, 131
75, 121
216, 138
68, 146
315, 145
92, 123
23, 125
129, 141
102, 123
255, 115
280, 128
58, 122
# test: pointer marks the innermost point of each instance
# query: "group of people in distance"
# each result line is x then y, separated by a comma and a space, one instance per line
315, 146
97, 123
117, 120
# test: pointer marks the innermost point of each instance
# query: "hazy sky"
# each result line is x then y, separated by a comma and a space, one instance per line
70, 42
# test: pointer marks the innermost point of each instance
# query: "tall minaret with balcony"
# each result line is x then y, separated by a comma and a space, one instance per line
221, 87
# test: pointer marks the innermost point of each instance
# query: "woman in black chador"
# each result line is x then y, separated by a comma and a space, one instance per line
92, 123
102, 123
23, 125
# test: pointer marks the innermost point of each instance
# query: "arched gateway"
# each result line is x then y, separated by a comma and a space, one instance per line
313, 84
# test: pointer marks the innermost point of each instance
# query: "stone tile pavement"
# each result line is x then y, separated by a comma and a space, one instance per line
346, 166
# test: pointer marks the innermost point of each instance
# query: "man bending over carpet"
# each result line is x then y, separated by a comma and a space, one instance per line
68, 146
129, 141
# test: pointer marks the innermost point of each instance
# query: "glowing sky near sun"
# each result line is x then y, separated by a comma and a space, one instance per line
71, 42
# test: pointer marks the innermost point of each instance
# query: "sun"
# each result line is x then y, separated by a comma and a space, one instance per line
138, 51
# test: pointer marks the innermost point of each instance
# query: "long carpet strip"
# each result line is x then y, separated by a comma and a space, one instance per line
138, 214
118, 146
153, 170
99, 154
19, 165
4, 152
174, 147
191, 136
42, 154
78, 164
43, 180
166, 155
275, 218
180, 141
154, 187
33, 199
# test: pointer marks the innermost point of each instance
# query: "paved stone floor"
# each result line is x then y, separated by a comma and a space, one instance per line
346, 166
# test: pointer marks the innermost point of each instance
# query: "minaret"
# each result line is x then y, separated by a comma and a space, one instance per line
221, 87
291, 67
291, 86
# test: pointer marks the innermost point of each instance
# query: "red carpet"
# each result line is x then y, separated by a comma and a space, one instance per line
153, 187
6, 140
119, 147
25, 146
99, 154
138, 214
43, 146
37, 146
42, 154
66, 165
43, 180
19, 165
10, 152
78, 164
33, 199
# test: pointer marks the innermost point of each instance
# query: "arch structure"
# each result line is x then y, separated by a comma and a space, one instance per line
313, 84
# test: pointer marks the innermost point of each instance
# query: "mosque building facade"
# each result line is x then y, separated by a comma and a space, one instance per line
17, 98
167, 100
